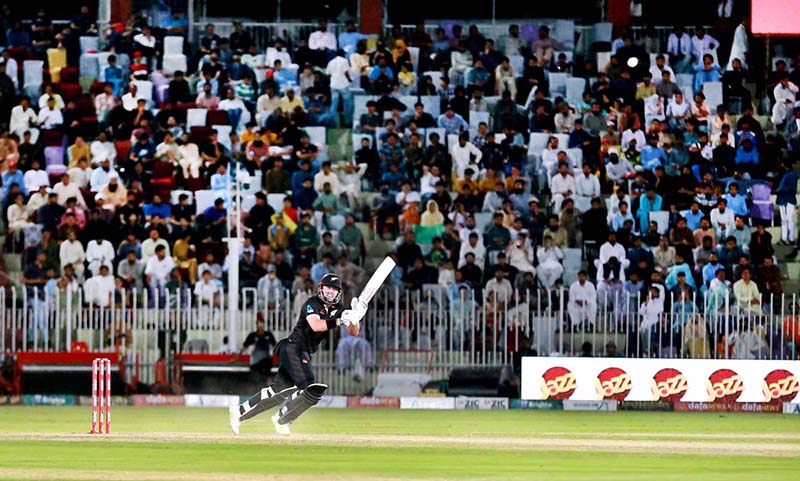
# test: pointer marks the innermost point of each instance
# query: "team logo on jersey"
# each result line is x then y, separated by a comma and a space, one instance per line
309, 309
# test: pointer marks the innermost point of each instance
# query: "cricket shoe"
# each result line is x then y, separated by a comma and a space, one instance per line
282, 429
233, 413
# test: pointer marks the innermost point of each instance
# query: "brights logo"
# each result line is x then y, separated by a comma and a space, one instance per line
613, 383
724, 385
669, 385
780, 385
558, 383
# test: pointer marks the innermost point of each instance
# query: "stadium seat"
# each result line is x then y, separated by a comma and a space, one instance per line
763, 208
482, 220
475, 118
224, 135
217, 117
196, 118
173, 45
518, 63
56, 60
175, 194
602, 32
661, 218
173, 63
89, 44
144, 89
204, 199
32, 77
603, 59
558, 84
88, 65
575, 88
276, 201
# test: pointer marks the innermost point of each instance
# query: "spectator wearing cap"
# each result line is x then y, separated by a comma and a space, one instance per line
452, 122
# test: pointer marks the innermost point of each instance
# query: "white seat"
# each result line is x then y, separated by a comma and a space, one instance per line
88, 66
517, 63
660, 217
173, 45
224, 135
572, 259
414, 53
577, 158
173, 63
203, 200
603, 59
196, 118
276, 201
482, 220
575, 88
89, 44
563, 140
248, 201
475, 118
32, 74
537, 143
713, 94
430, 103
144, 89
175, 194
602, 32
558, 83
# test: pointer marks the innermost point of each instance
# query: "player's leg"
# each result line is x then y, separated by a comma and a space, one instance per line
308, 392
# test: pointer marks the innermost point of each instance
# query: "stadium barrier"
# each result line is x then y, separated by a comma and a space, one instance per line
455, 327
460, 403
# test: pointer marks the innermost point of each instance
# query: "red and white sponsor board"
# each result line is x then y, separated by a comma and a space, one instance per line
673, 380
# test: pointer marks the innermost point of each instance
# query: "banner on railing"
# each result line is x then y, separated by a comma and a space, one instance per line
672, 380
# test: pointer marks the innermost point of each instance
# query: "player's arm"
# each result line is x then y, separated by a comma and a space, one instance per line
317, 323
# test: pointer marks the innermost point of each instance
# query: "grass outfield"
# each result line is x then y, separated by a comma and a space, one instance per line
168, 443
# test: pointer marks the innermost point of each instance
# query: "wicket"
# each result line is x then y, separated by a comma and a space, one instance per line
101, 396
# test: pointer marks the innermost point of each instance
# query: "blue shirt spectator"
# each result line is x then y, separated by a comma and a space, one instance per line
672, 276
787, 189
746, 153
693, 218
452, 122
161, 209
214, 213
13, 177
737, 203
708, 72
652, 157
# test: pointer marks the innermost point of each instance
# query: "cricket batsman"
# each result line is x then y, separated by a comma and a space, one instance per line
295, 389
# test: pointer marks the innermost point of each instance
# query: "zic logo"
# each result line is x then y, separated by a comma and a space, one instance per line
780, 385
669, 385
557, 383
613, 383
724, 385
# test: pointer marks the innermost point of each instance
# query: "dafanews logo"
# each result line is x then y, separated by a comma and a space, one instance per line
724, 385
669, 385
558, 383
613, 383
780, 385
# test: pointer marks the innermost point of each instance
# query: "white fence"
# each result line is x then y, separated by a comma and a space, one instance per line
454, 330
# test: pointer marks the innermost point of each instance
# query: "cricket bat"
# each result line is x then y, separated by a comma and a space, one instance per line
376, 281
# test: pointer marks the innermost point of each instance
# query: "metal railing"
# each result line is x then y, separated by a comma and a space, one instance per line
264, 33
460, 330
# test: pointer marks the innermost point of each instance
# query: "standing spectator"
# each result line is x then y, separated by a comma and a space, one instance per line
582, 306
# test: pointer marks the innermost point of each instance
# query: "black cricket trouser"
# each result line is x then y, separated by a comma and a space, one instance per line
295, 366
